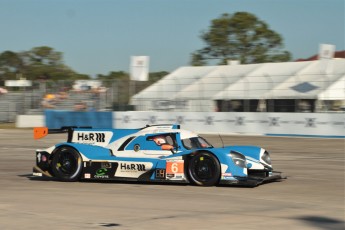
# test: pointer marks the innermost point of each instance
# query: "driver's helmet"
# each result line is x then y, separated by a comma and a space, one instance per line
159, 140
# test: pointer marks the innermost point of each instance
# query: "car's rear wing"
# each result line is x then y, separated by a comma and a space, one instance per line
82, 135
40, 132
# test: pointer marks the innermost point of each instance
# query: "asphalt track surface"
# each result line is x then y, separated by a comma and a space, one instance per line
311, 198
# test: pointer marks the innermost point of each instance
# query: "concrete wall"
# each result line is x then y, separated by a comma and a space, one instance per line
282, 124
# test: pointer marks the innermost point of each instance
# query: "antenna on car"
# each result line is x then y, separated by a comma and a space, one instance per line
221, 139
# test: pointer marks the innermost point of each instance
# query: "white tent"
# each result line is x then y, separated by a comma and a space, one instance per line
336, 91
198, 95
160, 94
215, 81
258, 82
312, 81
200, 88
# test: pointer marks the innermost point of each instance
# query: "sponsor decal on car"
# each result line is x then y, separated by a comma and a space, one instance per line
92, 138
132, 169
174, 169
101, 174
170, 175
227, 176
99, 137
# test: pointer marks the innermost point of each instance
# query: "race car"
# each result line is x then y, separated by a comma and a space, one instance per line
156, 153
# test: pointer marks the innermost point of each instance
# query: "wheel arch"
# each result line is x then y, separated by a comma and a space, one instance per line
57, 147
187, 157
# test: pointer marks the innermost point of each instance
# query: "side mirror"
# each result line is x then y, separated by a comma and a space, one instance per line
167, 147
173, 149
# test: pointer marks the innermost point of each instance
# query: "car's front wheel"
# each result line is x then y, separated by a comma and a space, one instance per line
204, 169
66, 164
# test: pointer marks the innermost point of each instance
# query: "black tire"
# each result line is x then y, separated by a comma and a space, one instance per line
204, 169
67, 164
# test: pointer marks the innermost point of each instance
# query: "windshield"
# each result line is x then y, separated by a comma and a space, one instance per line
196, 143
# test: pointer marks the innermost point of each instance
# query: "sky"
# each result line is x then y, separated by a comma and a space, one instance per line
99, 36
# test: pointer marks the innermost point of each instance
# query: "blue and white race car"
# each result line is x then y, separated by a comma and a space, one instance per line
159, 153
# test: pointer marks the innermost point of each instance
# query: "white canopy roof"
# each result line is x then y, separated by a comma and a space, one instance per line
215, 81
321, 79
255, 84
174, 82
313, 82
335, 91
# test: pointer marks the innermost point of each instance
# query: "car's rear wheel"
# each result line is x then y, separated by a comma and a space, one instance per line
67, 164
204, 169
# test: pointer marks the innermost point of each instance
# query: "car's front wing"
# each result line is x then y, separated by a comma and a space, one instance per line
254, 181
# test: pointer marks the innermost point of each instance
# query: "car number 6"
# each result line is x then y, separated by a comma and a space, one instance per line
174, 167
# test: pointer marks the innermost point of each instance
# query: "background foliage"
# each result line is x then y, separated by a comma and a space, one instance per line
241, 36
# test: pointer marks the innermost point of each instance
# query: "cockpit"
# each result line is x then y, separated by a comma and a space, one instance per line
196, 143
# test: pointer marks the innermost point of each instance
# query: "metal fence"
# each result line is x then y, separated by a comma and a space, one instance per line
174, 94
61, 95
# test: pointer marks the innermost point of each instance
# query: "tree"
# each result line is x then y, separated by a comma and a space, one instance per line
156, 76
45, 63
11, 64
241, 36
123, 76
113, 75
38, 63
44, 55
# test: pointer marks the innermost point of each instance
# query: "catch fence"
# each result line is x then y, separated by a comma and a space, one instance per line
184, 94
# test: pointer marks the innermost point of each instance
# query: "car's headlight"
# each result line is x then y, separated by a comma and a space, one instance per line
266, 158
238, 159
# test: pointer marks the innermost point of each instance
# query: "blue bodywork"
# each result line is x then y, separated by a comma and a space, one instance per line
154, 153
